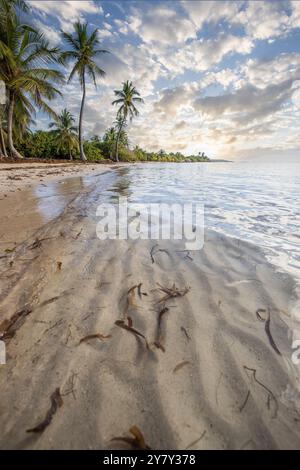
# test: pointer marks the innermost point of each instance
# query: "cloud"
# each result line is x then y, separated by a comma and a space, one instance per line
161, 24
67, 11
264, 19
201, 55
201, 12
247, 103
274, 70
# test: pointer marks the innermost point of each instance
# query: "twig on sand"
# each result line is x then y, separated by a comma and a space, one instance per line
93, 336
180, 365
158, 341
129, 327
137, 441
186, 333
245, 402
38, 242
187, 254
267, 322
271, 396
159, 250
172, 292
197, 440
56, 402
70, 386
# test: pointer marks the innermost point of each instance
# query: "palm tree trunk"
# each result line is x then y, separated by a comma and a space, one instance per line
70, 154
82, 154
117, 140
13, 152
3, 153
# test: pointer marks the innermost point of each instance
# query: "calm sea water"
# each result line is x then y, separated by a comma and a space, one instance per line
257, 201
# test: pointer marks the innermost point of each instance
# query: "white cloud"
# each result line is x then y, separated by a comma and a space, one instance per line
66, 11
201, 12
161, 24
263, 19
201, 55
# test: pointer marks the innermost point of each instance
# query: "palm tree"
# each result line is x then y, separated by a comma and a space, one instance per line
84, 49
3, 153
66, 132
24, 54
127, 97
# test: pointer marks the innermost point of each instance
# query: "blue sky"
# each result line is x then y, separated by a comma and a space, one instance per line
216, 76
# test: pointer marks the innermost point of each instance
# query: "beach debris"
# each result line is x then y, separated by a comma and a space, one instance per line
10, 250
140, 293
78, 234
8, 327
158, 341
245, 402
187, 254
70, 384
186, 333
137, 441
271, 396
56, 402
172, 292
129, 327
267, 322
57, 323
197, 440
38, 242
159, 250
180, 366
59, 265
93, 336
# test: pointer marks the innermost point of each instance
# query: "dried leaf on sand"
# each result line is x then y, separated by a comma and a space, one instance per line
93, 336
137, 441
56, 402
180, 366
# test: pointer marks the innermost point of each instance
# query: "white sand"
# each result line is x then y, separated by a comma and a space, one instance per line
117, 382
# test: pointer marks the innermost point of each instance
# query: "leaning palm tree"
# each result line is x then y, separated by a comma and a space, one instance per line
127, 97
24, 58
66, 132
84, 50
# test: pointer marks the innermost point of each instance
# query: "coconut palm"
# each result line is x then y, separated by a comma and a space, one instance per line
84, 50
126, 98
3, 153
66, 132
24, 56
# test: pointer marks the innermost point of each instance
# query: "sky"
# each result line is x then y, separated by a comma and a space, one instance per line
221, 77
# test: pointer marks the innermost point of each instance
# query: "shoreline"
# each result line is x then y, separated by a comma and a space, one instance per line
72, 285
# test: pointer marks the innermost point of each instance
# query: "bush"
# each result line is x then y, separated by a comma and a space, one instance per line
92, 152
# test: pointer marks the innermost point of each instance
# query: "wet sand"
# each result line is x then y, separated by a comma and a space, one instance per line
217, 380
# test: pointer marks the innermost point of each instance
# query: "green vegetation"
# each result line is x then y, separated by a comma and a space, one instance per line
33, 73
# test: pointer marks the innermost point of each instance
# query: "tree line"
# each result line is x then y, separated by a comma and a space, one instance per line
31, 68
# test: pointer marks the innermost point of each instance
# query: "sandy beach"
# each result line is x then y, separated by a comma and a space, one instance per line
205, 373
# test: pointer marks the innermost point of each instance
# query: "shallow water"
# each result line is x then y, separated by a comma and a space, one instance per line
251, 200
